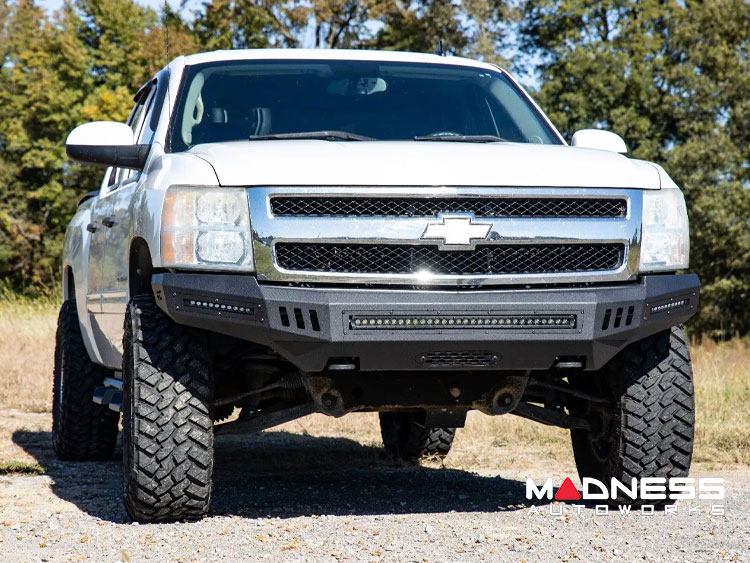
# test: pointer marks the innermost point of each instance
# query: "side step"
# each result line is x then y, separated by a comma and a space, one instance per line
110, 394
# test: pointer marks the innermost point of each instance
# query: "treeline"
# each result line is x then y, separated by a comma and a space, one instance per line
672, 77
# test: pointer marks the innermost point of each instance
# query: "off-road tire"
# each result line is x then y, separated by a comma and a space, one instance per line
405, 436
167, 416
81, 429
651, 415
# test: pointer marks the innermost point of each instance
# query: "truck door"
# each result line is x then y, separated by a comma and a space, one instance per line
115, 275
96, 257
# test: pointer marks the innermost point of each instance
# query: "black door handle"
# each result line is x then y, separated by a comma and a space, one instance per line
91, 227
108, 222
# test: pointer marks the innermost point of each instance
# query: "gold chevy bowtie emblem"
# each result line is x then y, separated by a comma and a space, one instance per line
456, 231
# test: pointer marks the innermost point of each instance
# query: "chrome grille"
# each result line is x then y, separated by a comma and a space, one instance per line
412, 259
375, 235
430, 207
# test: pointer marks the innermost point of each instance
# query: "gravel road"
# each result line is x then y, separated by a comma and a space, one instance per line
285, 497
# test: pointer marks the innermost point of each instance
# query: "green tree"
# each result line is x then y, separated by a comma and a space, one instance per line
471, 28
31, 97
671, 78
84, 63
419, 26
246, 24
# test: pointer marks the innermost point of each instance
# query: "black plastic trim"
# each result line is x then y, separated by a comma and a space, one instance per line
88, 196
122, 156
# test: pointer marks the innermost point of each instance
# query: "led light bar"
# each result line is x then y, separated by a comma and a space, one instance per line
439, 322
218, 306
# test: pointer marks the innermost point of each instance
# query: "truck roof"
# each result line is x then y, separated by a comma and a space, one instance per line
331, 54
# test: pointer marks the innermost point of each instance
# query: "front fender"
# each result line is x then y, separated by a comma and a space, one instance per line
145, 208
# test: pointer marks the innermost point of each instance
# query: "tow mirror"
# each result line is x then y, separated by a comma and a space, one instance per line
106, 143
598, 139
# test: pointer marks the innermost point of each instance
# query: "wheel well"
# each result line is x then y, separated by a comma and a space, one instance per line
140, 269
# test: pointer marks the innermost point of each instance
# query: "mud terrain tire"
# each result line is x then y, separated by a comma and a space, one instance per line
81, 429
650, 421
167, 416
405, 436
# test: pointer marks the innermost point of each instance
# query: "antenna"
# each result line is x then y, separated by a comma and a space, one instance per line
165, 17
440, 50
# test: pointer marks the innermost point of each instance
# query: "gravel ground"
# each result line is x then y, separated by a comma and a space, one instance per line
285, 497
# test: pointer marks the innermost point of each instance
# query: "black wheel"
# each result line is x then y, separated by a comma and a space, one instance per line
81, 429
648, 425
405, 436
167, 416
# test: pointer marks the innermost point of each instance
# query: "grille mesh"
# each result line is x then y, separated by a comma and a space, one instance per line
427, 207
485, 260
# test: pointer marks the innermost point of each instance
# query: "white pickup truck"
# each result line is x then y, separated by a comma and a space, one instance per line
281, 232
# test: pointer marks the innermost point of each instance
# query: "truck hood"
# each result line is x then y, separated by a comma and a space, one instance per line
411, 163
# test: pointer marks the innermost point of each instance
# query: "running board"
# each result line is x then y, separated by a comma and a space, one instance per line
109, 394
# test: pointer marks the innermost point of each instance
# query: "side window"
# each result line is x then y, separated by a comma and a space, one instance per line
155, 107
112, 176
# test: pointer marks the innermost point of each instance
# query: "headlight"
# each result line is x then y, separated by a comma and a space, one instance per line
665, 244
206, 227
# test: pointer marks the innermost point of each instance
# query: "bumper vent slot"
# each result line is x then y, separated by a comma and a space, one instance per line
314, 322
465, 359
299, 319
485, 260
496, 207
619, 312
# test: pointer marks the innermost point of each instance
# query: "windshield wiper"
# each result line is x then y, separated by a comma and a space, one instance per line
322, 135
462, 138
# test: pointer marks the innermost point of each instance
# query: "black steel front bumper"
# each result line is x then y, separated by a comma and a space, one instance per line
406, 330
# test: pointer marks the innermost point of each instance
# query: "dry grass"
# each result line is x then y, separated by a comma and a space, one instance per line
27, 344
487, 442
722, 396
722, 378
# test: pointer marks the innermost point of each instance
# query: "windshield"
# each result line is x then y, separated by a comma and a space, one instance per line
351, 100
